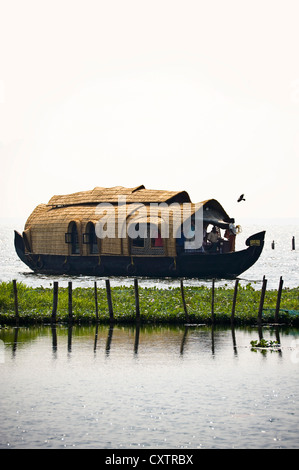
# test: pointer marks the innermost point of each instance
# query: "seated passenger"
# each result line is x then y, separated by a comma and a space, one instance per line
213, 238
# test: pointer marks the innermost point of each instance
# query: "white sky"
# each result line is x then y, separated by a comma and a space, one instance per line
190, 94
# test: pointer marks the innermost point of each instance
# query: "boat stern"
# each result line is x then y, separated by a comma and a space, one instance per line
20, 250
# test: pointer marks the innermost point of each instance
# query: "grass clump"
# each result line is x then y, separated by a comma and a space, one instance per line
156, 305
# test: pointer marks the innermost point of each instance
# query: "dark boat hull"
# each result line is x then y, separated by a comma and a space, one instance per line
198, 265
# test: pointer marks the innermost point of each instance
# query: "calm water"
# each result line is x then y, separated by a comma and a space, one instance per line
282, 261
149, 388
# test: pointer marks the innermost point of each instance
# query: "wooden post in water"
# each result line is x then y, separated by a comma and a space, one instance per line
96, 338
234, 301
54, 338
184, 302
278, 299
108, 290
69, 338
213, 298
260, 312
15, 291
55, 301
137, 299
109, 339
136, 342
70, 303
96, 300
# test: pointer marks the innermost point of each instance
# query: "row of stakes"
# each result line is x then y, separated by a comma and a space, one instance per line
137, 307
293, 244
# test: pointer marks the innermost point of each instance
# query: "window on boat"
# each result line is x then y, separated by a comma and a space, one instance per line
90, 239
148, 240
72, 238
139, 240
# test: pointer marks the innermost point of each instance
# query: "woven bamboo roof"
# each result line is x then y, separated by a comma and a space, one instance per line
83, 205
111, 195
46, 227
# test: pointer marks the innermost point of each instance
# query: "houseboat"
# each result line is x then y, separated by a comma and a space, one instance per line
134, 232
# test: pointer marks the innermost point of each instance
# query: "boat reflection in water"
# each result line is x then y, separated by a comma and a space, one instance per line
207, 337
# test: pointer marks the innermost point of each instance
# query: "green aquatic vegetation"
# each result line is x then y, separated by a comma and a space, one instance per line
264, 343
156, 305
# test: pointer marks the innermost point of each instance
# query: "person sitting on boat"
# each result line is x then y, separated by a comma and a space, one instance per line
213, 238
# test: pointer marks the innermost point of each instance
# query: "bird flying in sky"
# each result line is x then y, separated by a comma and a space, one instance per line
241, 198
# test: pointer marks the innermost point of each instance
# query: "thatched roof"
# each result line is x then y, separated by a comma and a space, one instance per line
111, 195
46, 226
